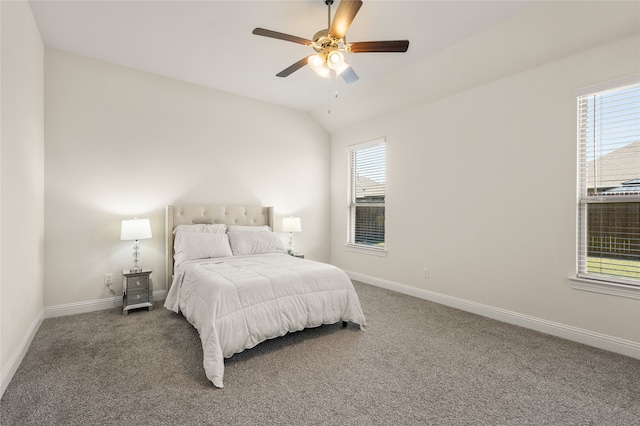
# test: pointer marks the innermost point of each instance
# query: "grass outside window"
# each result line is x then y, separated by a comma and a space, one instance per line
614, 267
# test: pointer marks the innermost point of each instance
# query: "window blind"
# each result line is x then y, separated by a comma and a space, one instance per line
609, 184
367, 189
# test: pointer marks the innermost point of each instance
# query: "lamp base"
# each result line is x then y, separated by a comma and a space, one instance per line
135, 269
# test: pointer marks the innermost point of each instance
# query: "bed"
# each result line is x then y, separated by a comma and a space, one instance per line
230, 276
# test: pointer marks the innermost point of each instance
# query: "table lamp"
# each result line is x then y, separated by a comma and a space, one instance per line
291, 225
135, 229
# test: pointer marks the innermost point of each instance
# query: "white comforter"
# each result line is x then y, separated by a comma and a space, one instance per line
237, 302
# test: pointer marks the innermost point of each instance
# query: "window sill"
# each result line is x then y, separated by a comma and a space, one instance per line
374, 251
621, 290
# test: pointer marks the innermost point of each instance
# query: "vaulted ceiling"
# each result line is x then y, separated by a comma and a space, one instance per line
210, 43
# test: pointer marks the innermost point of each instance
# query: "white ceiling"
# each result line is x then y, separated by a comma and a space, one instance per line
210, 42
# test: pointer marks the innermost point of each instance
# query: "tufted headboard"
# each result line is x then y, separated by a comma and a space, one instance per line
196, 213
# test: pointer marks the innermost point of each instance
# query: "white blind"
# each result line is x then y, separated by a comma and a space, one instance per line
609, 184
367, 189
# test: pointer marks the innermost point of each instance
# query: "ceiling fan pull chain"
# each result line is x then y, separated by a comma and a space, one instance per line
330, 97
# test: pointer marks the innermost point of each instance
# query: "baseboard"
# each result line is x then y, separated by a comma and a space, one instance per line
18, 355
598, 340
92, 305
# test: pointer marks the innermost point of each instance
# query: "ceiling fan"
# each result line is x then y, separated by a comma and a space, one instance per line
330, 44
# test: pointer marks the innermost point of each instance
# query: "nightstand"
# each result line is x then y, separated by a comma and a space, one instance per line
137, 290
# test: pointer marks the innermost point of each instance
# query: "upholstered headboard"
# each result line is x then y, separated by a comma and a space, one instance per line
194, 214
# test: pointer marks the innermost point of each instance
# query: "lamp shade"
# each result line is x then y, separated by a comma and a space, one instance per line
318, 63
135, 229
291, 224
335, 60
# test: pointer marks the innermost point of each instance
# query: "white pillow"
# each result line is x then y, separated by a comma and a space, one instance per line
260, 242
201, 227
251, 228
200, 245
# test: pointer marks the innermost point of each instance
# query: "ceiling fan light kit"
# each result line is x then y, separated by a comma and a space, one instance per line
335, 60
330, 44
318, 64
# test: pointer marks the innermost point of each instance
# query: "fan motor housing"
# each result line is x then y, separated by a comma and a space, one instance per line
323, 42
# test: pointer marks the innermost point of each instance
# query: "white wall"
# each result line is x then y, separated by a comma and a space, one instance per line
122, 143
22, 184
481, 190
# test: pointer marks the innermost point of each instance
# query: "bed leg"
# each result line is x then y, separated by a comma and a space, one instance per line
344, 324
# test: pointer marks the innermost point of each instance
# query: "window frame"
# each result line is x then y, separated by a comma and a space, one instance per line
584, 280
352, 204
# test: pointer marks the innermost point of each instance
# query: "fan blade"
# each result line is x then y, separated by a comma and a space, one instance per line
293, 68
349, 75
379, 46
345, 13
281, 36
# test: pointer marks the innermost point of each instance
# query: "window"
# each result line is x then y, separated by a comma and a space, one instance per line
609, 183
367, 188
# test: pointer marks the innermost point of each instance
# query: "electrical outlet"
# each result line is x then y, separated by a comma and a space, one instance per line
425, 273
108, 279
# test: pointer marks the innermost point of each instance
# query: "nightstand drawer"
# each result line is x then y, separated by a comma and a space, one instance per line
138, 283
137, 296
138, 290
